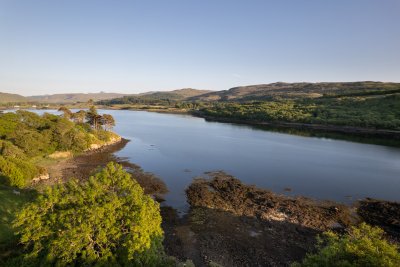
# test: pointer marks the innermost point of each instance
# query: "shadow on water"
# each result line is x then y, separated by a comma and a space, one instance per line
364, 138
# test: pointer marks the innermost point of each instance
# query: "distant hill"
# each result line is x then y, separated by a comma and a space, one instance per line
12, 98
297, 90
178, 94
74, 98
156, 97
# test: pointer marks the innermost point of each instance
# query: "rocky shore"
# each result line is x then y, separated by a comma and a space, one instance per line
226, 193
233, 224
113, 140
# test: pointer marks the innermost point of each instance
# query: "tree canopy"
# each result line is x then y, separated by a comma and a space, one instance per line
106, 220
362, 246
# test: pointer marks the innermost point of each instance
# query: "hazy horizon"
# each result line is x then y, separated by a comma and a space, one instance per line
128, 47
167, 90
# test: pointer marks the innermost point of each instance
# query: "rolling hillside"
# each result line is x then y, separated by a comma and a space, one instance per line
74, 98
12, 98
297, 90
155, 97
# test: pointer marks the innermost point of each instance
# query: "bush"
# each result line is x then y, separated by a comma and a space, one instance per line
17, 172
103, 135
7, 149
10, 174
362, 246
106, 220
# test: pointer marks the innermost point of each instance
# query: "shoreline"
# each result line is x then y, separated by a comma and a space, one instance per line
59, 168
84, 165
207, 233
343, 129
331, 128
308, 126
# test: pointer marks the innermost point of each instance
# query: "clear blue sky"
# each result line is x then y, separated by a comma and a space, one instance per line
135, 46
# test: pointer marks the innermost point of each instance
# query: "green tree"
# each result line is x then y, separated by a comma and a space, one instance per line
106, 220
79, 117
108, 121
90, 102
93, 118
66, 112
362, 246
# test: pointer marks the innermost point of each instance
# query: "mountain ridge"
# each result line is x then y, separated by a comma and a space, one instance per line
295, 90
11, 98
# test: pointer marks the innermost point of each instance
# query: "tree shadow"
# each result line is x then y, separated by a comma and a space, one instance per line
206, 235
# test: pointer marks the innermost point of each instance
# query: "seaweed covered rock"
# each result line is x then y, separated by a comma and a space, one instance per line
225, 192
385, 214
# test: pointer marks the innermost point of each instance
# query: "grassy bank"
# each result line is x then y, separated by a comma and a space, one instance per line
372, 112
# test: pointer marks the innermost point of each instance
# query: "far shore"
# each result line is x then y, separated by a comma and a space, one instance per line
322, 128
279, 124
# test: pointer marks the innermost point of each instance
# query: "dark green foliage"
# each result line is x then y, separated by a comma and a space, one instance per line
106, 220
8, 123
11, 201
381, 112
25, 136
362, 246
31, 141
10, 173
17, 172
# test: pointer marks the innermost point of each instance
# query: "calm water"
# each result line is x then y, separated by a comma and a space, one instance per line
178, 148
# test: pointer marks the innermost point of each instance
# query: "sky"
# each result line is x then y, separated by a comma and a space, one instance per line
76, 46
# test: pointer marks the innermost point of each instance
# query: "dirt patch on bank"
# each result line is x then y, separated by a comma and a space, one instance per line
85, 165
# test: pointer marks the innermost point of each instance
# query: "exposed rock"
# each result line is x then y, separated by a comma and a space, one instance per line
112, 141
41, 177
224, 192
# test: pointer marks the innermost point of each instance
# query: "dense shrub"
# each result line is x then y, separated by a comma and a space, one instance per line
10, 174
106, 220
17, 172
362, 246
7, 149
